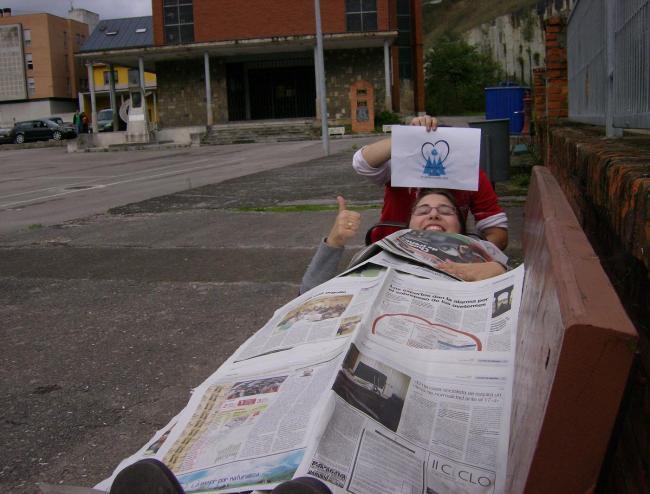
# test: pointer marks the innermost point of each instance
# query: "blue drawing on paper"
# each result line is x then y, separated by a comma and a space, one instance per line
435, 155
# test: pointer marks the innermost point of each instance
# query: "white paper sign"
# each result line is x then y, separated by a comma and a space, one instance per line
446, 158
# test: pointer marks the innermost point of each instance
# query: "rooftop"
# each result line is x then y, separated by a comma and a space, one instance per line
114, 34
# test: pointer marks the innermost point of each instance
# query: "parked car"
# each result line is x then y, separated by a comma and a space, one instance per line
68, 129
105, 121
6, 134
39, 130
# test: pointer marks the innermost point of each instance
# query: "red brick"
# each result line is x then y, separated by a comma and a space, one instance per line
233, 19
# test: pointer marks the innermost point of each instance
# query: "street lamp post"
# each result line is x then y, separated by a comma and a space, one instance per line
320, 80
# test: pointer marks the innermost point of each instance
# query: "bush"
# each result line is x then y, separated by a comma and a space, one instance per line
387, 118
456, 75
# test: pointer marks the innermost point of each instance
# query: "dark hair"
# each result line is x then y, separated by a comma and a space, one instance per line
449, 195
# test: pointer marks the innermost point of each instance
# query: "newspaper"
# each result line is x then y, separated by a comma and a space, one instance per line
384, 380
429, 248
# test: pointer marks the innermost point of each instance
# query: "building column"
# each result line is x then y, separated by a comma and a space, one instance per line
142, 88
317, 78
320, 80
82, 104
388, 99
247, 94
113, 98
208, 89
93, 101
155, 107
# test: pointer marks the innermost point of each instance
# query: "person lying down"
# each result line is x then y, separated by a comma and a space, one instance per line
434, 210
221, 441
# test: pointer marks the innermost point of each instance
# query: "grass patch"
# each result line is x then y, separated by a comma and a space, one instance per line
35, 226
302, 208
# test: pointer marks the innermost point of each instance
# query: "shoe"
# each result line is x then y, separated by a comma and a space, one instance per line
147, 476
302, 485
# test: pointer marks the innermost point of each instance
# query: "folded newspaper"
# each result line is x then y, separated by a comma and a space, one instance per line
391, 378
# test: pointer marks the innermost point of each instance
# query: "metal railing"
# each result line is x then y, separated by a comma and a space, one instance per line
608, 49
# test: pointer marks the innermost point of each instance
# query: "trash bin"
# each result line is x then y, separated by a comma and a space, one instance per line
506, 102
495, 148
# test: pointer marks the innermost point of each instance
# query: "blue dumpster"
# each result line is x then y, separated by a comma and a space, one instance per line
506, 102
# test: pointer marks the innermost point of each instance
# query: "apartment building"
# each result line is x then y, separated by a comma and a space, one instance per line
225, 61
39, 74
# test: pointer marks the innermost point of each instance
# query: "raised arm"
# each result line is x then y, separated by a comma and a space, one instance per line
324, 265
378, 152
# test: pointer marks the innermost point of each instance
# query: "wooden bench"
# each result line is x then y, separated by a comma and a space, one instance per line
575, 349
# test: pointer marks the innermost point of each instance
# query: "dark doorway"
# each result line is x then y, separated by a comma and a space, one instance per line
277, 92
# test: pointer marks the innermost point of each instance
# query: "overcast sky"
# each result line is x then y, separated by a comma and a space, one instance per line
107, 9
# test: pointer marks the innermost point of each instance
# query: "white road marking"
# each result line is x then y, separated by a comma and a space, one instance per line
94, 181
156, 175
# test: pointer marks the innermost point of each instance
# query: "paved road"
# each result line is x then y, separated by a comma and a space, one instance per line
47, 186
108, 322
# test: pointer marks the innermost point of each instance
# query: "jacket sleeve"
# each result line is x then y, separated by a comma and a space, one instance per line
379, 175
323, 266
485, 207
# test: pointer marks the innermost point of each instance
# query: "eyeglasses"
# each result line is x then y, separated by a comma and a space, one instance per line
442, 209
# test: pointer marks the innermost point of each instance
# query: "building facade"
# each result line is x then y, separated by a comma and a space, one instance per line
255, 60
114, 35
39, 74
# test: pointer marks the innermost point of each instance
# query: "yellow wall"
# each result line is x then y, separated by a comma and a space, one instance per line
103, 102
122, 79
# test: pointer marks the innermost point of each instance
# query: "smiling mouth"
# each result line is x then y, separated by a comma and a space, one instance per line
434, 228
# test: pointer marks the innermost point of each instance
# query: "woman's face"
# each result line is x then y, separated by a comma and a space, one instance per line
435, 219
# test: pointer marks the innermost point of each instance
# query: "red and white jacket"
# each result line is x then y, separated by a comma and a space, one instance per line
398, 201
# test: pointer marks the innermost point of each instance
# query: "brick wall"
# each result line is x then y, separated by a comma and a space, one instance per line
607, 183
237, 19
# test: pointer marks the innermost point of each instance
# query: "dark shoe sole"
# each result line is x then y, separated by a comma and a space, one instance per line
147, 476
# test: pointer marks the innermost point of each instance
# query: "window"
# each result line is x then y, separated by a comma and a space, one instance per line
178, 19
107, 75
404, 42
405, 62
31, 86
361, 15
29, 62
134, 77
27, 37
65, 39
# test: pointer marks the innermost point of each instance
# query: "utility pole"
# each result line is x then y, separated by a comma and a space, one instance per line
320, 80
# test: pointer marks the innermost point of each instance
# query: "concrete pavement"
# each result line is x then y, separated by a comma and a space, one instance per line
47, 186
108, 321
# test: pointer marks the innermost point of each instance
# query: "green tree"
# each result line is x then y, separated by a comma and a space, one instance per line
456, 74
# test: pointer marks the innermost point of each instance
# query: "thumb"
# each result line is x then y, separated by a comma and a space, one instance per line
341, 202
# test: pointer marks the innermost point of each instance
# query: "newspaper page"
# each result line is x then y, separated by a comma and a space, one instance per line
247, 426
431, 248
422, 401
398, 383
331, 310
